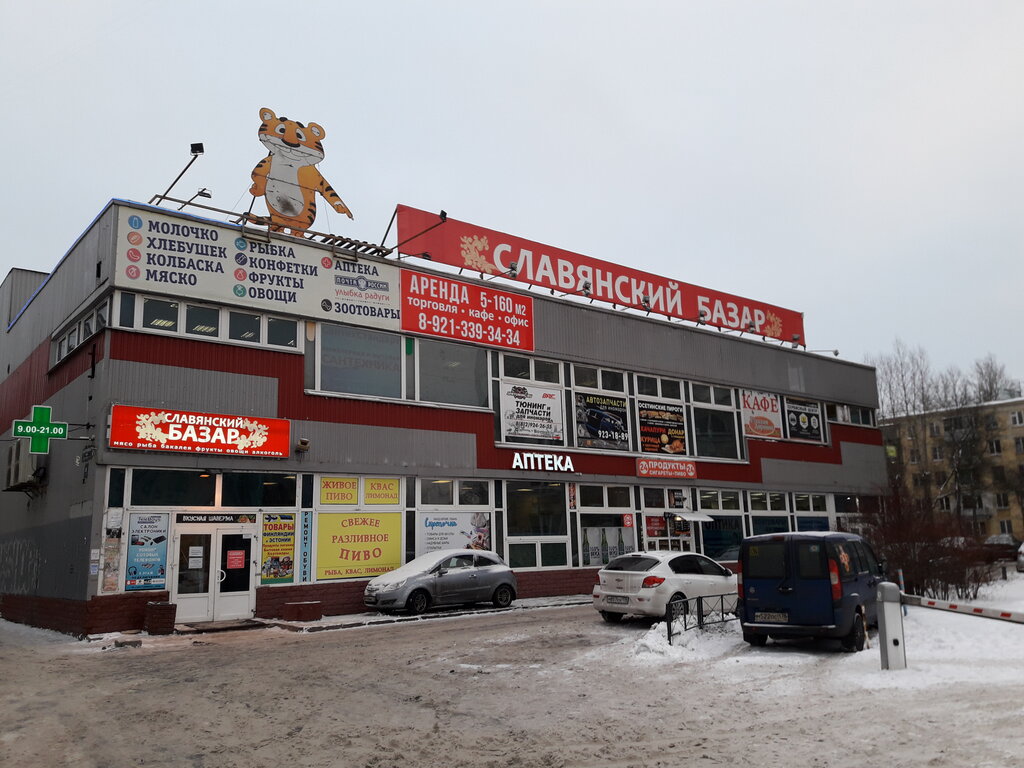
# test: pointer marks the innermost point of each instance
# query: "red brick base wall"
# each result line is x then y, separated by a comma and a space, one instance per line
347, 597
113, 613
107, 613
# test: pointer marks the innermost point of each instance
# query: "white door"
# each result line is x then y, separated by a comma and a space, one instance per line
215, 573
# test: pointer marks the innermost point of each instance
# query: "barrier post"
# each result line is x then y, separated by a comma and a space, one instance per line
890, 627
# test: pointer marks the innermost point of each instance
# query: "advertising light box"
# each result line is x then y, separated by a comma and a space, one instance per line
163, 429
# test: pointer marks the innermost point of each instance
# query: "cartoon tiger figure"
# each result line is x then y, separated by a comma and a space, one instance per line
288, 177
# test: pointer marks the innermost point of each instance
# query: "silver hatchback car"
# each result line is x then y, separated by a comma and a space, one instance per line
444, 577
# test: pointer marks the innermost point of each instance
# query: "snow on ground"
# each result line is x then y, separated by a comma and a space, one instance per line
941, 648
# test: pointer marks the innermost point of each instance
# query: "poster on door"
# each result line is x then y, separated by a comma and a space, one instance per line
146, 564
278, 549
601, 545
452, 530
357, 545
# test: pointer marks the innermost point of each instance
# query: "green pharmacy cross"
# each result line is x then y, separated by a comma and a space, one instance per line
40, 430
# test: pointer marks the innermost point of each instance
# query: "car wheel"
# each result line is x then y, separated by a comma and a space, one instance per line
610, 617
676, 607
418, 602
758, 641
503, 596
858, 635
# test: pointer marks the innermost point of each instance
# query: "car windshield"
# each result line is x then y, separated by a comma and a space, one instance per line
631, 563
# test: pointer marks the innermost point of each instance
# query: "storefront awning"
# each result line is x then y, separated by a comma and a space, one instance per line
696, 517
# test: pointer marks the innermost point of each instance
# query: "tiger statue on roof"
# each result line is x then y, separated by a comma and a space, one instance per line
287, 177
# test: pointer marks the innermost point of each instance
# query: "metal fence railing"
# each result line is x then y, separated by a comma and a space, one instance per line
699, 612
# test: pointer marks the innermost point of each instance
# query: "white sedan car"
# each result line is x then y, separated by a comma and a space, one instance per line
645, 583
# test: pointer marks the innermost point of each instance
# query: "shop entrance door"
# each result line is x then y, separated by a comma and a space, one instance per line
214, 577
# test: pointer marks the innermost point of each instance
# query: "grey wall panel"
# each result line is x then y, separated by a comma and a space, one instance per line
598, 336
47, 560
385, 450
862, 471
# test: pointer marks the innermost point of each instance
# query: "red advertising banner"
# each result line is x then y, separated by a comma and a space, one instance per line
490, 252
666, 468
161, 429
235, 559
452, 309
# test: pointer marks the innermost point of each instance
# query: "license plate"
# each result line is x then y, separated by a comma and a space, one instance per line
617, 600
769, 616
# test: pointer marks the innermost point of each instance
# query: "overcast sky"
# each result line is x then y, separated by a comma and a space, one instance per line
862, 163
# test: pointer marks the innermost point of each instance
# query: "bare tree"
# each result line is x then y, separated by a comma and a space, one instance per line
990, 379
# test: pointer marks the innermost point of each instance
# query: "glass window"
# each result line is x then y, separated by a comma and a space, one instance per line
647, 385
701, 393
474, 493
62, 349
159, 314
258, 489
591, 496
115, 488
766, 561
654, 498
86, 327
437, 492
202, 321
359, 361
810, 563
612, 380
715, 433
127, 310
553, 553
722, 534
544, 370
584, 376
101, 316
282, 333
244, 327
72, 338
618, 496
769, 524
536, 509
517, 367
169, 488
522, 555
671, 389
452, 373
811, 523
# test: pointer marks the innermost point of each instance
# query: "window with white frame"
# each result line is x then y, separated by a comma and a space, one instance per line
204, 321
812, 513
537, 524
359, 361
937, 453
605, 511
1002, 501
452, 373
73, 336
1006, 526
915, 455
713, 419
1017, 419
935, 429
769, 512
995, 447
721, 537
530, 369
655, 386
1018, 444
601, 408
849, 414
453, 514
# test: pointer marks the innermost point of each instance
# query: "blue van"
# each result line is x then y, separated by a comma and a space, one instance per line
810, 584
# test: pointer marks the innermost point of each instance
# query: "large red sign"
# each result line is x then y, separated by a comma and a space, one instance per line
439, 306
161, 429
490, 252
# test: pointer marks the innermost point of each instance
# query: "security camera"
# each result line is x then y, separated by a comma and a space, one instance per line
302, 445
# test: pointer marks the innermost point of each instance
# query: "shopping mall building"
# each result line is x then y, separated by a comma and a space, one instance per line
206, 413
